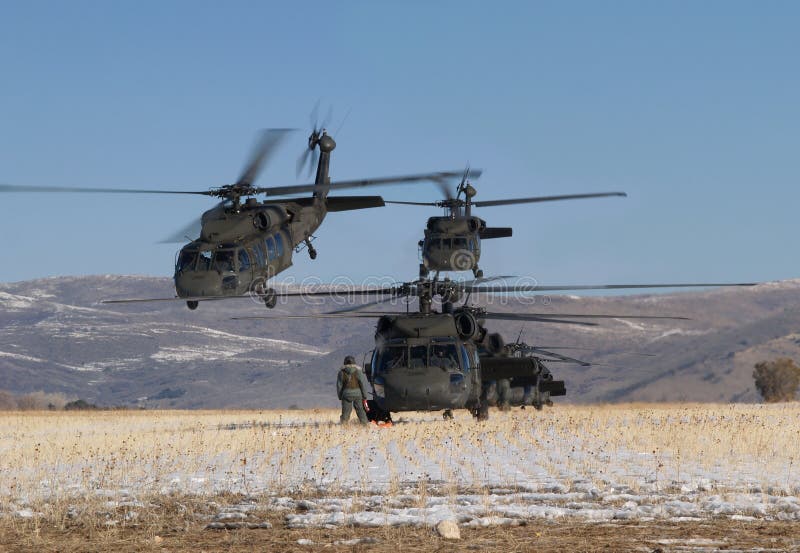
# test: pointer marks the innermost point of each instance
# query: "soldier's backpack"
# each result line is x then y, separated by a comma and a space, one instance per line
350, 380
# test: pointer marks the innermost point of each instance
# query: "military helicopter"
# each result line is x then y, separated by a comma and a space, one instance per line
433, 361
242, 242
453, 242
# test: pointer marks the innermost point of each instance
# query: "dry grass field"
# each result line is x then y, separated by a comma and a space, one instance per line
592, 478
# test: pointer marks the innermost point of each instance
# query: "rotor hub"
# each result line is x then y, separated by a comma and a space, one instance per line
326, 142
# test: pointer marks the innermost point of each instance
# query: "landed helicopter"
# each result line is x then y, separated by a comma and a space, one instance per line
452, 242
434, 361
536, 389
242, 242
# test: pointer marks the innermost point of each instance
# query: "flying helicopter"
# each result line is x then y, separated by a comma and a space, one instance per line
452, 242
445, 360
241, 243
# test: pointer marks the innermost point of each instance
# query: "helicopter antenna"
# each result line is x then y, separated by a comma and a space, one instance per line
519, 338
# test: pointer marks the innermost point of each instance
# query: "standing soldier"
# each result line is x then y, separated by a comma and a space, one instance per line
351, 387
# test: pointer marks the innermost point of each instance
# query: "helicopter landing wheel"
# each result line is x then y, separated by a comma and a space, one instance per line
312, 253
481, 413
192, 305
270, 298
447, 415
478, 273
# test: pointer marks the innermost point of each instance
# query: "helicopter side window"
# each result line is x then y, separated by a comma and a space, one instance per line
444, 356
244, 260
223, 261
465, 358
271, 251
472, 245
279, 244
187, 260
204, 261
418, 356
258, 251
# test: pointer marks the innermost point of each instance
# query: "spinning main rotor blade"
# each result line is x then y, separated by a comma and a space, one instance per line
537, 199
640, 354
357, 183
545, 317
511, 201
557, 288
269, 191
522, 316
190, 232
320, 316
265, 148
80, 189
555, 355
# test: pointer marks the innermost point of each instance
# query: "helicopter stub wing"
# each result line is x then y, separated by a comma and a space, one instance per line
495, 232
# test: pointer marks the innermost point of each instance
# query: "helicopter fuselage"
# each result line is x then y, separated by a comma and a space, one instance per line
453, 242
421, 364
441, 361
239, 250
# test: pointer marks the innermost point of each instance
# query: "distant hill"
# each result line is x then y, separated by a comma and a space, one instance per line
56, 337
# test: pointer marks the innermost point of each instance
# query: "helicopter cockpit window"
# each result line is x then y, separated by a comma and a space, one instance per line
390, 358
223, 261
271, 251
444, 356
187, 260
460, 243
471, 245
279, 244
204, 261
244, 260
418, 357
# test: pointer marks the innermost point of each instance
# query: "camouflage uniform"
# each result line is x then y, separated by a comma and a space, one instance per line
351, 387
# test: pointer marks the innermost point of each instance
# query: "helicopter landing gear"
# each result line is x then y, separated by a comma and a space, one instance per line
270, 298
312, 253
447, 415
477, 272
192, 305
481, 413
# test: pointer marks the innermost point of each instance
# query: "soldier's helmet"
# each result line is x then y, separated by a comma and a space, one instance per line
349, 360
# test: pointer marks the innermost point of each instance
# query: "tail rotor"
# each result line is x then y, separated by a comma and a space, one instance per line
309, 158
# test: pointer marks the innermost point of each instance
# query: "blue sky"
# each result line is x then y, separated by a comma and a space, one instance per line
690, 107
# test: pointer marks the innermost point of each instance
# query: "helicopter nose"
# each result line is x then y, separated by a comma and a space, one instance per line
198, 283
